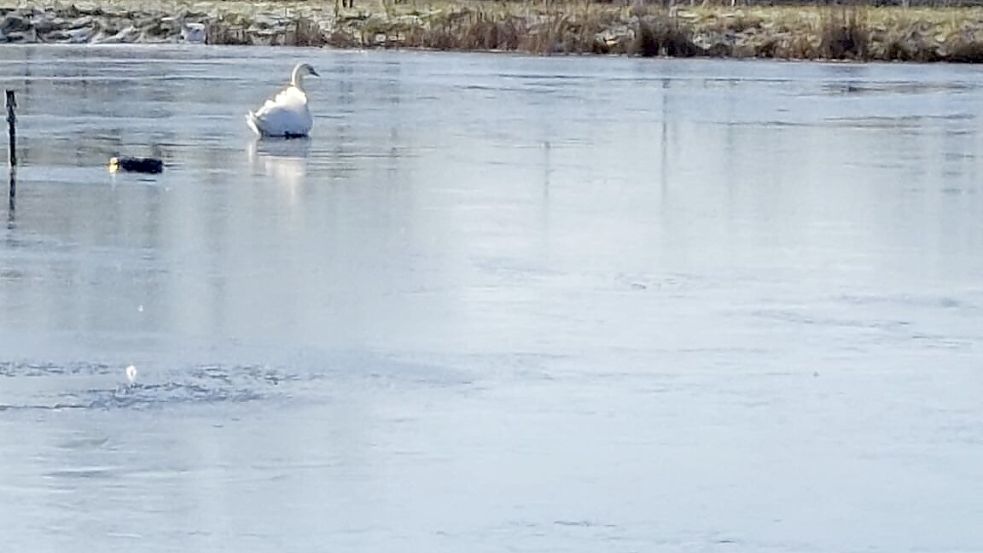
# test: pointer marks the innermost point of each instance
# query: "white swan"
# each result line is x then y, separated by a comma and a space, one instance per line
286, 114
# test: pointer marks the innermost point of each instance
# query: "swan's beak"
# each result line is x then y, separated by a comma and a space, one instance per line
314, 73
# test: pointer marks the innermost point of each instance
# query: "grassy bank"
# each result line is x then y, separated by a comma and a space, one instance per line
548, 28
801, 32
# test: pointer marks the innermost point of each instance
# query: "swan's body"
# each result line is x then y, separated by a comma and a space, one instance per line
286, 114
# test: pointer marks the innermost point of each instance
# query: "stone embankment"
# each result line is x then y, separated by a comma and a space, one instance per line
114, 24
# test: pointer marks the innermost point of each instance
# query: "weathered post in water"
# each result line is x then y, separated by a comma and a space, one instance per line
12, 134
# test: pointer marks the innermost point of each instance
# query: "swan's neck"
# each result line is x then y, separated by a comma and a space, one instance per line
297, 78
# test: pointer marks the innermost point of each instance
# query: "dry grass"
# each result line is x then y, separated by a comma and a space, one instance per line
663, 34
845, 33
801, 32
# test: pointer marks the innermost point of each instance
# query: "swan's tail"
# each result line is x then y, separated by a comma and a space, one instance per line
253, 123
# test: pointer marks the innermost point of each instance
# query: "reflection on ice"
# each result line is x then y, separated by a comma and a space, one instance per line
284, 160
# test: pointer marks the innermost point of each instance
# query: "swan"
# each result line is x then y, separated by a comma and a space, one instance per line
286, 114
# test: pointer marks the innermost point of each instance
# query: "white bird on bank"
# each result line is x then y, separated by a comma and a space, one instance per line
194, 33
286, 114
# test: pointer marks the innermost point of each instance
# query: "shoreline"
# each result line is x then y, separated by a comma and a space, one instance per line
858, 33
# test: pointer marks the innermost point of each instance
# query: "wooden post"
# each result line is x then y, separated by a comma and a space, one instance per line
12, 133
12, 126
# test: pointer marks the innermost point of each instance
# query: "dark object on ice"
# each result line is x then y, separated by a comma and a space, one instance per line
136, 164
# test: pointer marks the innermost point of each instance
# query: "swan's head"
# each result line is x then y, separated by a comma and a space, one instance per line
302, 70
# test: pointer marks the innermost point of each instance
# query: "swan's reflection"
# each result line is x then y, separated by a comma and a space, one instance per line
284, 160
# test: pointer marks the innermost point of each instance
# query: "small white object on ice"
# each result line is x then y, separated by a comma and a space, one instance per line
131, 374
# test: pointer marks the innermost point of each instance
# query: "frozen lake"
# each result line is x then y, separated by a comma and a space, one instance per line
495, 303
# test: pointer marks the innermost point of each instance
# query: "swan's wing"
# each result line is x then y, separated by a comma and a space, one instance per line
284, 114
290, 98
